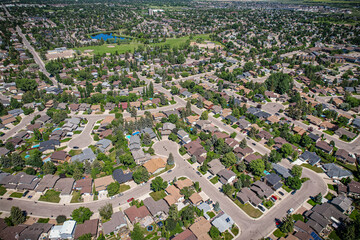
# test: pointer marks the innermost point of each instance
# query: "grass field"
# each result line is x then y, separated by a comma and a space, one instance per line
16, 195
278, 233
250, 210
124, 187
2, 190
158, 195
122, 48
50, 196
314, 168
214, 180
76, 198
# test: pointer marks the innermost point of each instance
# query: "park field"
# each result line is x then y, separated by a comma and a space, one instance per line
130, 47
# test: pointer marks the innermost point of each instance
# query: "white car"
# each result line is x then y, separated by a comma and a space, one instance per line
290, 211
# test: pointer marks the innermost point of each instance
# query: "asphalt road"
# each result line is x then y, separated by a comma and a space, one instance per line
250, 228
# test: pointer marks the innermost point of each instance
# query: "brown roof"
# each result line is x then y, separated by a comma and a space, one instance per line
59, 155
103, 182
89, 226
85, 184
183, 183
185, 235
154, 164
195, 198
134, 214
200, 228
107, 120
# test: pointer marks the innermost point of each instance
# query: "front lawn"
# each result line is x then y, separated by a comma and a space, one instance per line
76, 198
249, 209
2, 190
331, 187
216, 115
214, 180
65, 140
227, 235
314, 168
298, 217
235, 231
50, 196
16, 195
124, 187
158, 195
278, 233
334, 236
268, 204
311, 202
211, 214
286, 188
329, 196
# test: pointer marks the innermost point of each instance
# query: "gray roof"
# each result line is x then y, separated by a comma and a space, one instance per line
117, 221
227, 174
156, 207
204, 206
334, 171
312, 157
134, 143
223, 222
281, 170
149, 131
87, 154
48, 181
64, 185
103, 144
342, 202
181, 133
215, 166
274, 180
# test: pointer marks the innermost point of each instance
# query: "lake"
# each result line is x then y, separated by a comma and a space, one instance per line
106, 37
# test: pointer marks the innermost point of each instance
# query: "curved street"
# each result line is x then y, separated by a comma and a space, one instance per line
255, 228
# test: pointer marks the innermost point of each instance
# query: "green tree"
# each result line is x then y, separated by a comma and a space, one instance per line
17, 216
17, 160
49, 168
279, 82
214, 232
296, 171
204, 115
140, 175
35, 159
146, 139
173, 212
81, 214
318, 198
137, 233
10, 146
113, 188
106, 211
217, 207
187, 192
275, 156
170, 160
286, 150
243, 143
158, 184
228, 159
257, 167
287, 225
60, 219
86, 236
241, 167
293, 182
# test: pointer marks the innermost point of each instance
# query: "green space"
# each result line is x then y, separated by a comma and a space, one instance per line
298, 217
124, 187
158, 195
211, 214
76, 198
43, 220
214, 180
331, 187
286, 188
311, 202
334, 236
2, 190
50, 196
268, 203
329, 196
278, 233
73, 152
235, 231
130, 47
250, 210
329, 132
227, 235
65, 140
16, 195
354, 214
314, 168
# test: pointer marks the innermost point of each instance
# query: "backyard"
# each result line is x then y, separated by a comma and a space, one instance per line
158, 195
250, 210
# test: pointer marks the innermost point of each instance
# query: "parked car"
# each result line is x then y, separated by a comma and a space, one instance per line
290, 211
273, 196
281, 193
254, 144
209, 177
9, 199
130, 199
25, 193
293, 192
261, 208
198, 173
277, 222
30, 196
75, 147
169, 171
272, 199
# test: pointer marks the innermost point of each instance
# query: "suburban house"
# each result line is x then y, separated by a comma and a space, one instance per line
86, 155
311, 157
173, 196
246, 195
155, 165
121, 177
200, 228
324, 146
335, 172
183, 136
223, 222
226, 176
102, 183
156, 208
273, 180
140, 214
116, 223
84, 185
88, 227
60, 157
104, 145
47, 182
65, 231
64, 186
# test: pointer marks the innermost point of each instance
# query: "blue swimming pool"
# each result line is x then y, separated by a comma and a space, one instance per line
35, 146
128, 136
27, 156
56, 129
135, 133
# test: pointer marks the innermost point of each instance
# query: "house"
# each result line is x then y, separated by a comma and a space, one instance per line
173, 196
192, 119
195, 198
167, 128
273, 180
156, 208
314, 120
185, 235
243, 124
343, 132
299, 130
155, 165
344, 156
216, 109
20, 181
88, 227
314, 137
33, 231
183, 136
43, 119
261, 189
311, 157
102, 183
86, 155
249, 158
247, 196
149, 131
180, 184
186, 94
226, 176
7, 119
284, 172
74, 107
65, 231
4, 151
204, 207
324, 146
60, 157
104, 145
342, 202
64, 186
47, 182
121, 177
49, 145
354, 189
335, 172
135, 214
116, 223
200, 228
215, 166
264, 135
16, 112
223, 222
134, 143
231, 119
84, 185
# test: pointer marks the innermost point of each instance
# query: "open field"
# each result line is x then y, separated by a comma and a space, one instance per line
122, 48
